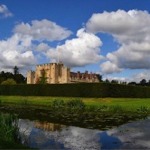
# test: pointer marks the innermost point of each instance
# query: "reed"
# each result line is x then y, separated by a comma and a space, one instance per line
9, 132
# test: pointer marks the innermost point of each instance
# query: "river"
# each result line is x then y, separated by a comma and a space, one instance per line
47, 135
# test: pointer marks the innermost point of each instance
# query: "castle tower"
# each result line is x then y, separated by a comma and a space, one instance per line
30, 77
54, 73
65, 75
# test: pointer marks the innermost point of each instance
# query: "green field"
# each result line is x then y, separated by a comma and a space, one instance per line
129, 104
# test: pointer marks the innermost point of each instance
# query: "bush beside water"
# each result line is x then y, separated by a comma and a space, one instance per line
9, 132
8, 127
75, 112
77, 90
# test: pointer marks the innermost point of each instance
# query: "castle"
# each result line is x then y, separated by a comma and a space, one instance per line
54, 73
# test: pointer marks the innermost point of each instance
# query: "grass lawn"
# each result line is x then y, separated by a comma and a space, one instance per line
129, 104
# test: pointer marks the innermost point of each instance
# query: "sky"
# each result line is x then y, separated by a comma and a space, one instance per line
109, 37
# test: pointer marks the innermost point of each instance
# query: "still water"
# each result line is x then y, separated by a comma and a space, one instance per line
46, 135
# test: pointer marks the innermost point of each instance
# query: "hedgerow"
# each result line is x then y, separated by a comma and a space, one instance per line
77, 90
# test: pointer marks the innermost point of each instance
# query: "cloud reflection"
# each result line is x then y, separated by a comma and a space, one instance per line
46, 135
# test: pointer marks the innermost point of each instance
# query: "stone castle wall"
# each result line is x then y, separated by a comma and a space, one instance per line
30, 77
58, 73
53, 73
84, 77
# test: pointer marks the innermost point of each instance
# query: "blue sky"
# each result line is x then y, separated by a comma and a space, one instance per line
110, 37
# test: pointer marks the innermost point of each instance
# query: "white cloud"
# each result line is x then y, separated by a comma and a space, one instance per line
79, 51
15, 53
132, 77
124, 26
71, 137
132, 31
108, 67
142, 75
43, 30
119, 79
43, 47
29, 42
133, 135
4, 11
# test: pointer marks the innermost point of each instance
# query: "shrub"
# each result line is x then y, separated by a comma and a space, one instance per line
75, 104
143, 109
9, 82
116, 109
57, 103
8, 127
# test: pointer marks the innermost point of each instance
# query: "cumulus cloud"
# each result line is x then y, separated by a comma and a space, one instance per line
14, 52
133, 135
79, 51
4, 12
29, 42
109, 67
43, 30
131, 30
42, 47
124, 26
140, 76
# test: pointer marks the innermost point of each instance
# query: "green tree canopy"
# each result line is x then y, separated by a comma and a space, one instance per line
19, 78
43, 78
9, 82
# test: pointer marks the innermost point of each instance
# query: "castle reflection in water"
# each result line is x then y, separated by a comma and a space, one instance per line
48, 126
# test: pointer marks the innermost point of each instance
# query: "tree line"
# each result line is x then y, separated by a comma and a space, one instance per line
12, 78
143, 82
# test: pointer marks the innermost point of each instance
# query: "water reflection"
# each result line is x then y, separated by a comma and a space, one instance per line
134, 135
55, 136
45, 135
48, 126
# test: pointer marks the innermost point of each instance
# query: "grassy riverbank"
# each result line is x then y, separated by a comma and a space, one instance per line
94, 113
128, 104
9, 130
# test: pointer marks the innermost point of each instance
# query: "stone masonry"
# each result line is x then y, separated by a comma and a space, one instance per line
55, 73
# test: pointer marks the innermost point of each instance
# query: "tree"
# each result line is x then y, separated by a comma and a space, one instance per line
132, 83
43, 78
5, 75
19, 78
107, 81
114, 82
148, 83
9, 82
123, 82
143, 82
99, 77
16, 70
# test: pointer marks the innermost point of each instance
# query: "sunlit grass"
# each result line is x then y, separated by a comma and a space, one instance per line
129, 104
85, 112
